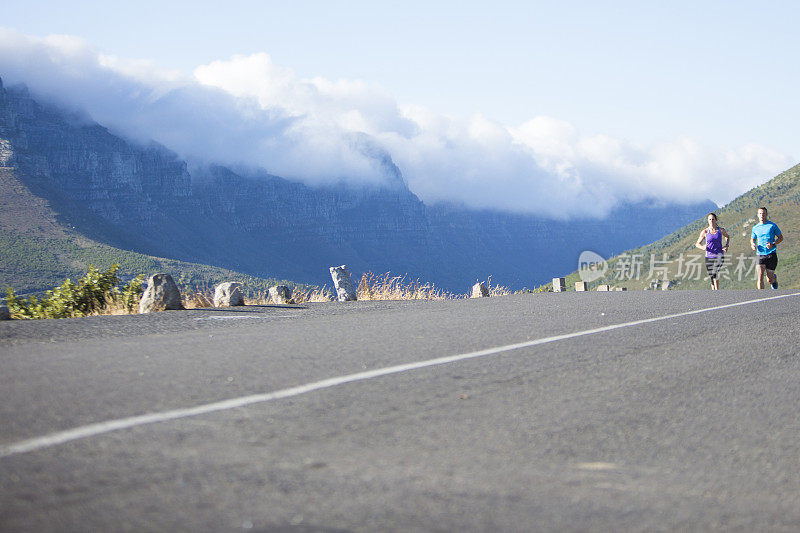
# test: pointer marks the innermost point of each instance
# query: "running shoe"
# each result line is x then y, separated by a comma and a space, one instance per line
774, 284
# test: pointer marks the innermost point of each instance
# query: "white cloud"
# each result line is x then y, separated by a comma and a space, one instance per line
249, 111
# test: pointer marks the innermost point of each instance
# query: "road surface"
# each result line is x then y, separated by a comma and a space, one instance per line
634, 411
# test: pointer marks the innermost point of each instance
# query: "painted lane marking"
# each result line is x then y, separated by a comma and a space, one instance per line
234, 317
100, 428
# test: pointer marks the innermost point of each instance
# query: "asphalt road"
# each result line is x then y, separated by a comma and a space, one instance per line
684, 423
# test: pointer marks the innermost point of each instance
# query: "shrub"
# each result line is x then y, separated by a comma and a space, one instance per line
92, 294
132, 293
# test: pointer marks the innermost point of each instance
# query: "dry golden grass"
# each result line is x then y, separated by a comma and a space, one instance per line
197, 299
115, 306
497, 290
388, 287
314, 294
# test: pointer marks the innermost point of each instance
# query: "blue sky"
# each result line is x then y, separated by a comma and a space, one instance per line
721, 74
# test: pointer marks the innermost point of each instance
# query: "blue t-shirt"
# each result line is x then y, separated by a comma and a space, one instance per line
763, 234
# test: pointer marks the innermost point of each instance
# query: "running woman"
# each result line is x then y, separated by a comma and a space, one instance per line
710, 240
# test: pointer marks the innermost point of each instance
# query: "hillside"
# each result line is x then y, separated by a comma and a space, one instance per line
38, 252
674, 256
32, 265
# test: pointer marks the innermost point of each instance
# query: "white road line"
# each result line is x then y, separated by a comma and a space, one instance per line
234, 317
100, 428
223, 317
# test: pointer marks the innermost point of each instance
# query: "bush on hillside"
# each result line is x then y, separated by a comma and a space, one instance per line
92, 294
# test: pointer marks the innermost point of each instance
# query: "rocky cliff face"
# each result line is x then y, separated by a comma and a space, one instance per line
260, 202
144, 198
82, 160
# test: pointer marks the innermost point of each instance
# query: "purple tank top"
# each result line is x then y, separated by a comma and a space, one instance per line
714, 244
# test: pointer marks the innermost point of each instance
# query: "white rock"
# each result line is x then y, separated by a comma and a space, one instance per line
161, 294
280, 294
345, 291
559, 284
479, 290
228, 294
581, 286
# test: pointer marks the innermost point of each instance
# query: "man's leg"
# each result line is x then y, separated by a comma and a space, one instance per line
760, 276
771, 277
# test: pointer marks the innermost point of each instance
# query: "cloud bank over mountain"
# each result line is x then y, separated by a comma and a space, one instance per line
249, 111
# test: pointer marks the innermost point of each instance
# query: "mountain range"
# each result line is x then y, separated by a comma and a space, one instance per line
71, 183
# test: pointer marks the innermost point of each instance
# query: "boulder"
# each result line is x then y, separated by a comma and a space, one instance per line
5, 313
581, 286
228, 294
668, 284
161, 294
559, 285
345, 291
603, 288
280, 294
479, 290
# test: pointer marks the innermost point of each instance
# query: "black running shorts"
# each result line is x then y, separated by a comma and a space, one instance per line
769, 261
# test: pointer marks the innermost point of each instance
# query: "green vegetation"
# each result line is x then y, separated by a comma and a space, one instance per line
93, 294
675, 257
34, 264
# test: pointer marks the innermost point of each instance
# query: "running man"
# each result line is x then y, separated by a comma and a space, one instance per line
764, 239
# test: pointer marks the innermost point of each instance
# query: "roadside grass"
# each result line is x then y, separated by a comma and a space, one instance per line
197, 299
370, 287
99, 293
200, 298
388, 287
312, 294
501, 290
